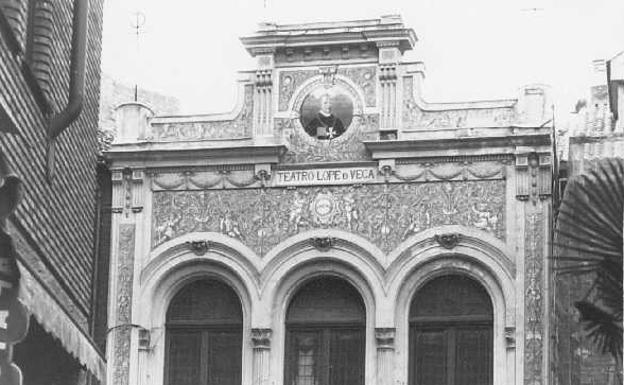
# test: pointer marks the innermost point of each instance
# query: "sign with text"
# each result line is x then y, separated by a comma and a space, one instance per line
324, 176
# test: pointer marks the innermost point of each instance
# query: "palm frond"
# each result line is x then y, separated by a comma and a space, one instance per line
600, 325
588, 240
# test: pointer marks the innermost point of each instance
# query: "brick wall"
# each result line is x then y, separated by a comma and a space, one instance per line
57, 219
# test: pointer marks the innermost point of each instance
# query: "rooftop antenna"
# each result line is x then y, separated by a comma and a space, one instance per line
137, 23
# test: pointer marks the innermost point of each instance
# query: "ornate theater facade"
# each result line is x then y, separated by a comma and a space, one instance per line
334, 228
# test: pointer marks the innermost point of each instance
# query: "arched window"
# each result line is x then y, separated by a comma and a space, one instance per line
325, 335
204, 335
451, 333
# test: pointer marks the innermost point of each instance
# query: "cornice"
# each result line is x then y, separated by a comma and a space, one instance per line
201, 153
539, 140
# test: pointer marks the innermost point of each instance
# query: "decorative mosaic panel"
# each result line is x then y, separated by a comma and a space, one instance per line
414, 117
534, 299
386, 214
125, 273
239, 127
289, 81
366, 79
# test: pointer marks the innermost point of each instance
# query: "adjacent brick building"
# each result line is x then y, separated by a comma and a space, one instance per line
54, 227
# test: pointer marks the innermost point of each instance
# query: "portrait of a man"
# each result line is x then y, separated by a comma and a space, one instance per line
326, 114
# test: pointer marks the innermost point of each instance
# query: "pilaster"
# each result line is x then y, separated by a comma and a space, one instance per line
533, 187
385, 355
127, 207
263, 95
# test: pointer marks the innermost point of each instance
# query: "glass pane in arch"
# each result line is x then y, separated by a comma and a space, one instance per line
325, 334
451, 333
204, 335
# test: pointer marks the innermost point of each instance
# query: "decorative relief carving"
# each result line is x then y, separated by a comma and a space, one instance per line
125, 274
386, 214
533, 177
414, 117
366, 79
323, 243
448, 241
430, 171
385, 338
261, 338
239, 127
510, 337
534, 299
289, 81
199, 247
349, 146
205, 180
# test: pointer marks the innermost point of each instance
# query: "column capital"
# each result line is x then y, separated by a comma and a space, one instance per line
385, 338
261, 338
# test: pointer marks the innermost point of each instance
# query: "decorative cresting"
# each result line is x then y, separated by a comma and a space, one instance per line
385, 214
348, 146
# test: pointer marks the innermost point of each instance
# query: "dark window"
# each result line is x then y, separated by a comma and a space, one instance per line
325, 335
451, 333
204, 336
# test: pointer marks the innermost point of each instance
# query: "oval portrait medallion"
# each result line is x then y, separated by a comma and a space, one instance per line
326, 113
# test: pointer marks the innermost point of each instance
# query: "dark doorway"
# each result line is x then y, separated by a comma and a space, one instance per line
451, 333
325, 326
204, 336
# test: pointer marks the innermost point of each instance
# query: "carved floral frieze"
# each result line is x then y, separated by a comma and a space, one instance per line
239, 127
415, 117
386, 214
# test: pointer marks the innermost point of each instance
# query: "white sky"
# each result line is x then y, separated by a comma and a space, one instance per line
475, 49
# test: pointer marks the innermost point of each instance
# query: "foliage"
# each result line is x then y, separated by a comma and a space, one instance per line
588, 240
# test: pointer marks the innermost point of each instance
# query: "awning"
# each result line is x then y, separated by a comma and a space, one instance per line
55, 321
